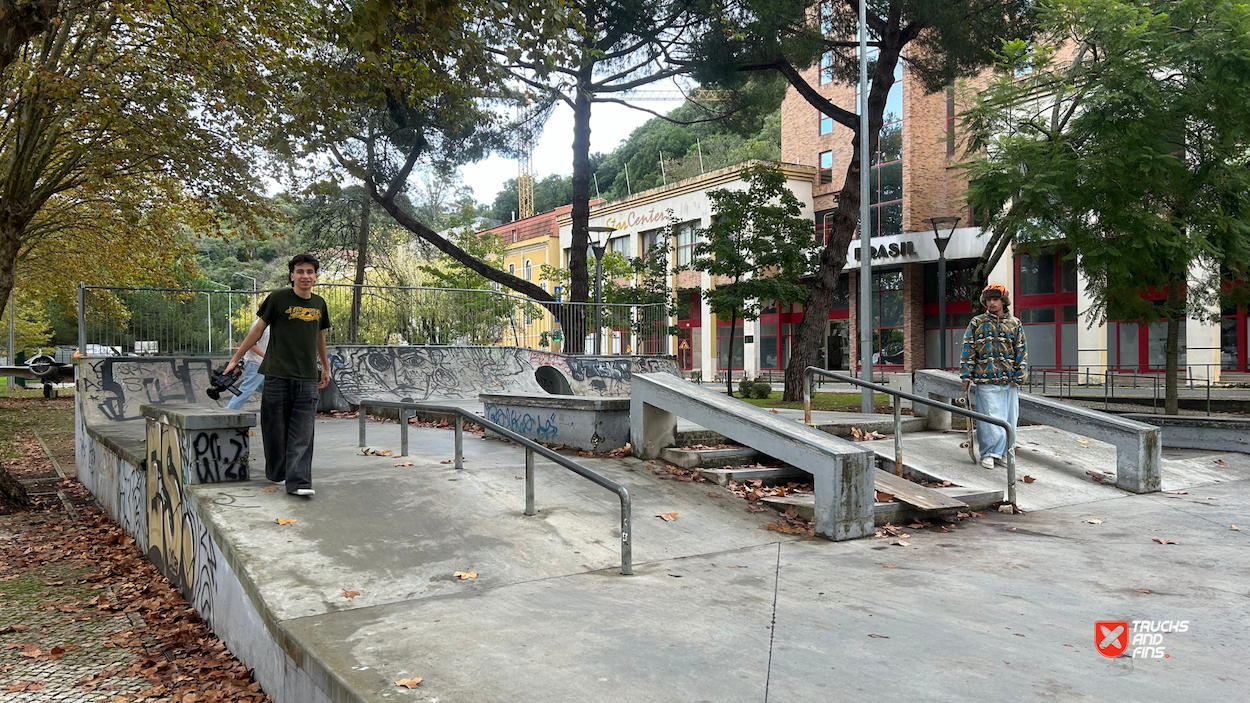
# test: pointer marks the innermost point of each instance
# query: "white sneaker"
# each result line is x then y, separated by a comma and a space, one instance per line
305, 492
987, 462
1000, 463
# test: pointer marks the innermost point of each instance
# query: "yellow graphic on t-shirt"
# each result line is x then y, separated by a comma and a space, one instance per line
296, 312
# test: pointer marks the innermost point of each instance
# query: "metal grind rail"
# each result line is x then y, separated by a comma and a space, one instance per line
811, 371
531, 447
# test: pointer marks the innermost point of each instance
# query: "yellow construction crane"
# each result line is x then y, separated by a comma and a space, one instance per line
525, 161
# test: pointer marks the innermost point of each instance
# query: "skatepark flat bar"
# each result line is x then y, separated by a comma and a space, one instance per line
811, 371
531, 447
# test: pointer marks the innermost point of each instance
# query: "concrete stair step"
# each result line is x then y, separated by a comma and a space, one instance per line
690, 437
697, 458
893, 512
742, 474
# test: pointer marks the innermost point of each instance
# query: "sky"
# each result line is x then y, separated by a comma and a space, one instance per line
610, 124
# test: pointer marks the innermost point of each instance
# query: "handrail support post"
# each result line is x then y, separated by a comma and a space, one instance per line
529, 482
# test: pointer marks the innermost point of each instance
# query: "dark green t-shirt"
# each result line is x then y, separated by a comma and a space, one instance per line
293, 323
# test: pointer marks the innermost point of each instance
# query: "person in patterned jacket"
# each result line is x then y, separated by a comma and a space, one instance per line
996, 359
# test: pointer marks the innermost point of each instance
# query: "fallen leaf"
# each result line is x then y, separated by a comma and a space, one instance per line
462, 575
350, 594
756, 508
774, 410
1093, 521
1221, 462
1234, 527
287, 520
405, 463
1027, 479
900, 543
735, 566
1143, 590
883, 497
448, 461
1164, 541
891, 566
269, 490
880, 637
408, 683
667, 517
1017, 634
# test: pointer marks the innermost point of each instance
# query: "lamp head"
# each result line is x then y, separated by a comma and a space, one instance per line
599, 238
947, 223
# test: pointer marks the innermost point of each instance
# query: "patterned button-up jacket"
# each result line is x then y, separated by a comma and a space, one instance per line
994, 351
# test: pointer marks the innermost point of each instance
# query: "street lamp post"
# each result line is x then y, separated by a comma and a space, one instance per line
253, 280
865, 235
939, 223
599, 244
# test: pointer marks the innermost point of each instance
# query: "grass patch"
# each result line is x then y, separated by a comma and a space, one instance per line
23, 414
840, 402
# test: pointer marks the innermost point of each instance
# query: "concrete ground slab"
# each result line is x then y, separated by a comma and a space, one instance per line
983, 611
1059, 460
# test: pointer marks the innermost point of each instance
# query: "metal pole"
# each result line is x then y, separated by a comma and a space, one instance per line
459, 442
82, 318
942, 303
210, 323
598, 301
360, 410
529, 482
898, 436
865, 236
13, 340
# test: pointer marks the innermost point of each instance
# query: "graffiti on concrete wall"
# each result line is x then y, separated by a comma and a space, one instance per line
171, 544
526, 424
115, 387
214, 456
414, 373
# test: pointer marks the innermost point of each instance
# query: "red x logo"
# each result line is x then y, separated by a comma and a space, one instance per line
1111, 637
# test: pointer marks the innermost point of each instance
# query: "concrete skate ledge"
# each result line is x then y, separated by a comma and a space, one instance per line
1138, 445
591, 423
843, 473
1221, 434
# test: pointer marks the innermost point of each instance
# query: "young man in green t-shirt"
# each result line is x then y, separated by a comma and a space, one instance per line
297, 319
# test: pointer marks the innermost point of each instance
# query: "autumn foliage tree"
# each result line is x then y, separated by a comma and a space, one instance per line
124, 125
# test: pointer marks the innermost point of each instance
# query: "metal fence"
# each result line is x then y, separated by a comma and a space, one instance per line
206, 322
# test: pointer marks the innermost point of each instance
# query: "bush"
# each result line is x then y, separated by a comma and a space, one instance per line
744, 388
761, 390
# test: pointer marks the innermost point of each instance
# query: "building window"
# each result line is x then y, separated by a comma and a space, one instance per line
685, 242
514, 235
529, 270
621, 246
826, 167
1045, 302
826, 17
649, 239
722, 345
826, 124
886, 172
511, 269
826, 68
950, 121
887, 318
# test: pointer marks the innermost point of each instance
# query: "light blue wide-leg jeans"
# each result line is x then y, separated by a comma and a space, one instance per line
1001, 402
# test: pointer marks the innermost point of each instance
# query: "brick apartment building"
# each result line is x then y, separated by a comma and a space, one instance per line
914, 176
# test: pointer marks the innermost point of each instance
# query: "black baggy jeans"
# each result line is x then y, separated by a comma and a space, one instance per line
288, 416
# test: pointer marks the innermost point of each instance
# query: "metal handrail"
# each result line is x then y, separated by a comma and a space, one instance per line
627, 558
898, 419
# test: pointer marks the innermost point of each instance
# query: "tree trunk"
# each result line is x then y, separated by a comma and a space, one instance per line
729, 359
574, 320
844, 225
1171, 405
12, 493
10, 245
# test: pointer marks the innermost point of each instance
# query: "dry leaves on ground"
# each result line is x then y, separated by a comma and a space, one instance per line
286, 520
269, 490
350, 594
859, 435
1234, 527
883, 497
462, 575
1106, 479
1163, 541
1093, 521
370, 451
667, 517
409, 683
405, 463
1027, 479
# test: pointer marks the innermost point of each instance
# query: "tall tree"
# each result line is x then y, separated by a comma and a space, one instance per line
129, 119
759, 242
368, 67
1132, 148
939, 40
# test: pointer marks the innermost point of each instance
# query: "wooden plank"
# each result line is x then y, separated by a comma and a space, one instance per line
914, 493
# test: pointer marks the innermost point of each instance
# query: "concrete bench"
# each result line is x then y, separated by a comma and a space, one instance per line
1138, 445
205, 444
843, 472
592, 423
